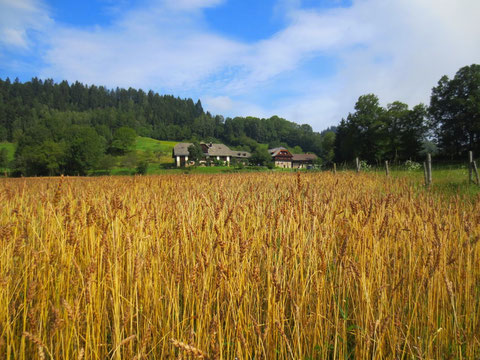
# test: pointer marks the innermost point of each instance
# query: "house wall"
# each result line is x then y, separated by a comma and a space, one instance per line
301, 164
224, 159
283, 164
181, 161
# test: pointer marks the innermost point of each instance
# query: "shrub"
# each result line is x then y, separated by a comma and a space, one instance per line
412, 165
142, 168
364, 166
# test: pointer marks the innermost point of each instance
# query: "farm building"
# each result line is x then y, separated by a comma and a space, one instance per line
180, 154
284, 159
281, 157
303, 161
211, 151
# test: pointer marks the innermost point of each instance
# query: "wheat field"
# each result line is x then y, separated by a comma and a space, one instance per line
246, 266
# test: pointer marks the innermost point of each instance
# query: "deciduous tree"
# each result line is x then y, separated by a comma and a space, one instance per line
455, 111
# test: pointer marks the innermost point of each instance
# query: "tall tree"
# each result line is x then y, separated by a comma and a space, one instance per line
261, 156
195, 152
123, 140
84, 149
328, 146
362, 133
414, 129
455, 111
405, 131
395, 117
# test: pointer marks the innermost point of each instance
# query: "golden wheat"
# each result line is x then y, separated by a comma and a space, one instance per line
248, 266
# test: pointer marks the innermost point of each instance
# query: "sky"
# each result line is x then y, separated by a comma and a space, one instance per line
304, 60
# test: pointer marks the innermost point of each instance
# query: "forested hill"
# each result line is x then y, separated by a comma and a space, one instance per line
49, 109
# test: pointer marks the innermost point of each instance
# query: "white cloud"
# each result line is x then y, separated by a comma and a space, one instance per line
192, 4
219, 104
14, 37
226, 105
146, 48
397, 49
17, 17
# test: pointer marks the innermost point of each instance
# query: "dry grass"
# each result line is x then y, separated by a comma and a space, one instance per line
272, 266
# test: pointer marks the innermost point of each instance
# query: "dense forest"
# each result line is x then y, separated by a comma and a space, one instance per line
67, 128
63, 128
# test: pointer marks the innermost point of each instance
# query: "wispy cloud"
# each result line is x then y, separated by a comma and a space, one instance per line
144, 48
17, 18
191, 4
397, 49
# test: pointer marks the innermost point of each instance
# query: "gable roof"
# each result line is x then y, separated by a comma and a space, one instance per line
276, 152
181, 149
217, 149
304, 157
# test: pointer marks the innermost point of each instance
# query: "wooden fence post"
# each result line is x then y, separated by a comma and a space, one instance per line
357, 161
470, 167
386, 168
429, 168
476, 171
334, 168
425, 173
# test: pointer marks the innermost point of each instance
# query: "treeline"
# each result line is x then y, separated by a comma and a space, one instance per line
374, 133
49, 121
448, 128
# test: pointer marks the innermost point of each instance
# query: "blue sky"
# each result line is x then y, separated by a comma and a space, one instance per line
305, 60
